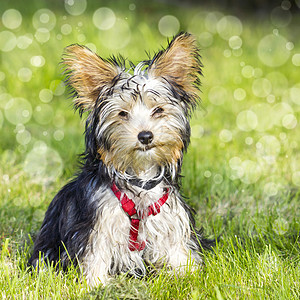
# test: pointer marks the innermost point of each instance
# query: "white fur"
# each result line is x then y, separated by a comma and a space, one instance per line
167, 236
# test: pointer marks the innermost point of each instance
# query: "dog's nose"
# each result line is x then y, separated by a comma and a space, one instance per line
145, 137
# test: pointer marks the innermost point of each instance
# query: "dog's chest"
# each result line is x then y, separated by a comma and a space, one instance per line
115, 225
143, 199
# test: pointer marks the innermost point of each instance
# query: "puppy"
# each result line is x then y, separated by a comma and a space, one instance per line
123, 211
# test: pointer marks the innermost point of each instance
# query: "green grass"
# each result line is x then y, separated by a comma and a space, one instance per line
241, 175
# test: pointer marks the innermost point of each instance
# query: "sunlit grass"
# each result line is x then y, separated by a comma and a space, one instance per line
241, 172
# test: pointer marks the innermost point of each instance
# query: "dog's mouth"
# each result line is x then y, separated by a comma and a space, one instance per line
145, 148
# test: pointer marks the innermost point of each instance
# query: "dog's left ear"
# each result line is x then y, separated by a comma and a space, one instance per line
180, 65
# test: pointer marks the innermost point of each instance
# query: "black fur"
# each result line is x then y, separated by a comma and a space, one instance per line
53, 239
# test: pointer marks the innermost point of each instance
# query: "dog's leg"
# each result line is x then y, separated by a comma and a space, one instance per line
108, 253
181, 258
96, 264
170, 239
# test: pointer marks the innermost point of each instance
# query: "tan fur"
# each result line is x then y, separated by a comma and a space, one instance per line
179, 63
164, 154
88, 74
167, 143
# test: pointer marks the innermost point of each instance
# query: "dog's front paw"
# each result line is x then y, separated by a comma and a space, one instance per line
94, 280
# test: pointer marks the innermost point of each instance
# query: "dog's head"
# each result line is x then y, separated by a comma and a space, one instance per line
141, 120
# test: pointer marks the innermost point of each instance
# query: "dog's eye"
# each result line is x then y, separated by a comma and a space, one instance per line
157, 111
123, 114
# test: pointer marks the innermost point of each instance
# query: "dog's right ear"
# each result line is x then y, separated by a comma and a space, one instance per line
87, 74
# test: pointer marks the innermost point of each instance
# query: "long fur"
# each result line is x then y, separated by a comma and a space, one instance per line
85, 223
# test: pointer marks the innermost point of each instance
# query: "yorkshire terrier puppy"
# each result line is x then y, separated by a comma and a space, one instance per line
123, 212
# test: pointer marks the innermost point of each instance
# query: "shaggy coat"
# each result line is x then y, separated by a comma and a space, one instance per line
137, 130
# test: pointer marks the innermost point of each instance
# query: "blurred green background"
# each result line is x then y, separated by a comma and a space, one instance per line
242, 169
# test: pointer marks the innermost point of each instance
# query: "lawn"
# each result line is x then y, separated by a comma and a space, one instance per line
242, 169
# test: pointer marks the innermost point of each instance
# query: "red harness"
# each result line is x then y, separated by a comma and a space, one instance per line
129, 207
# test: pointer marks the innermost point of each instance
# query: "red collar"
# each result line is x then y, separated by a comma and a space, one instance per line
129, 208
